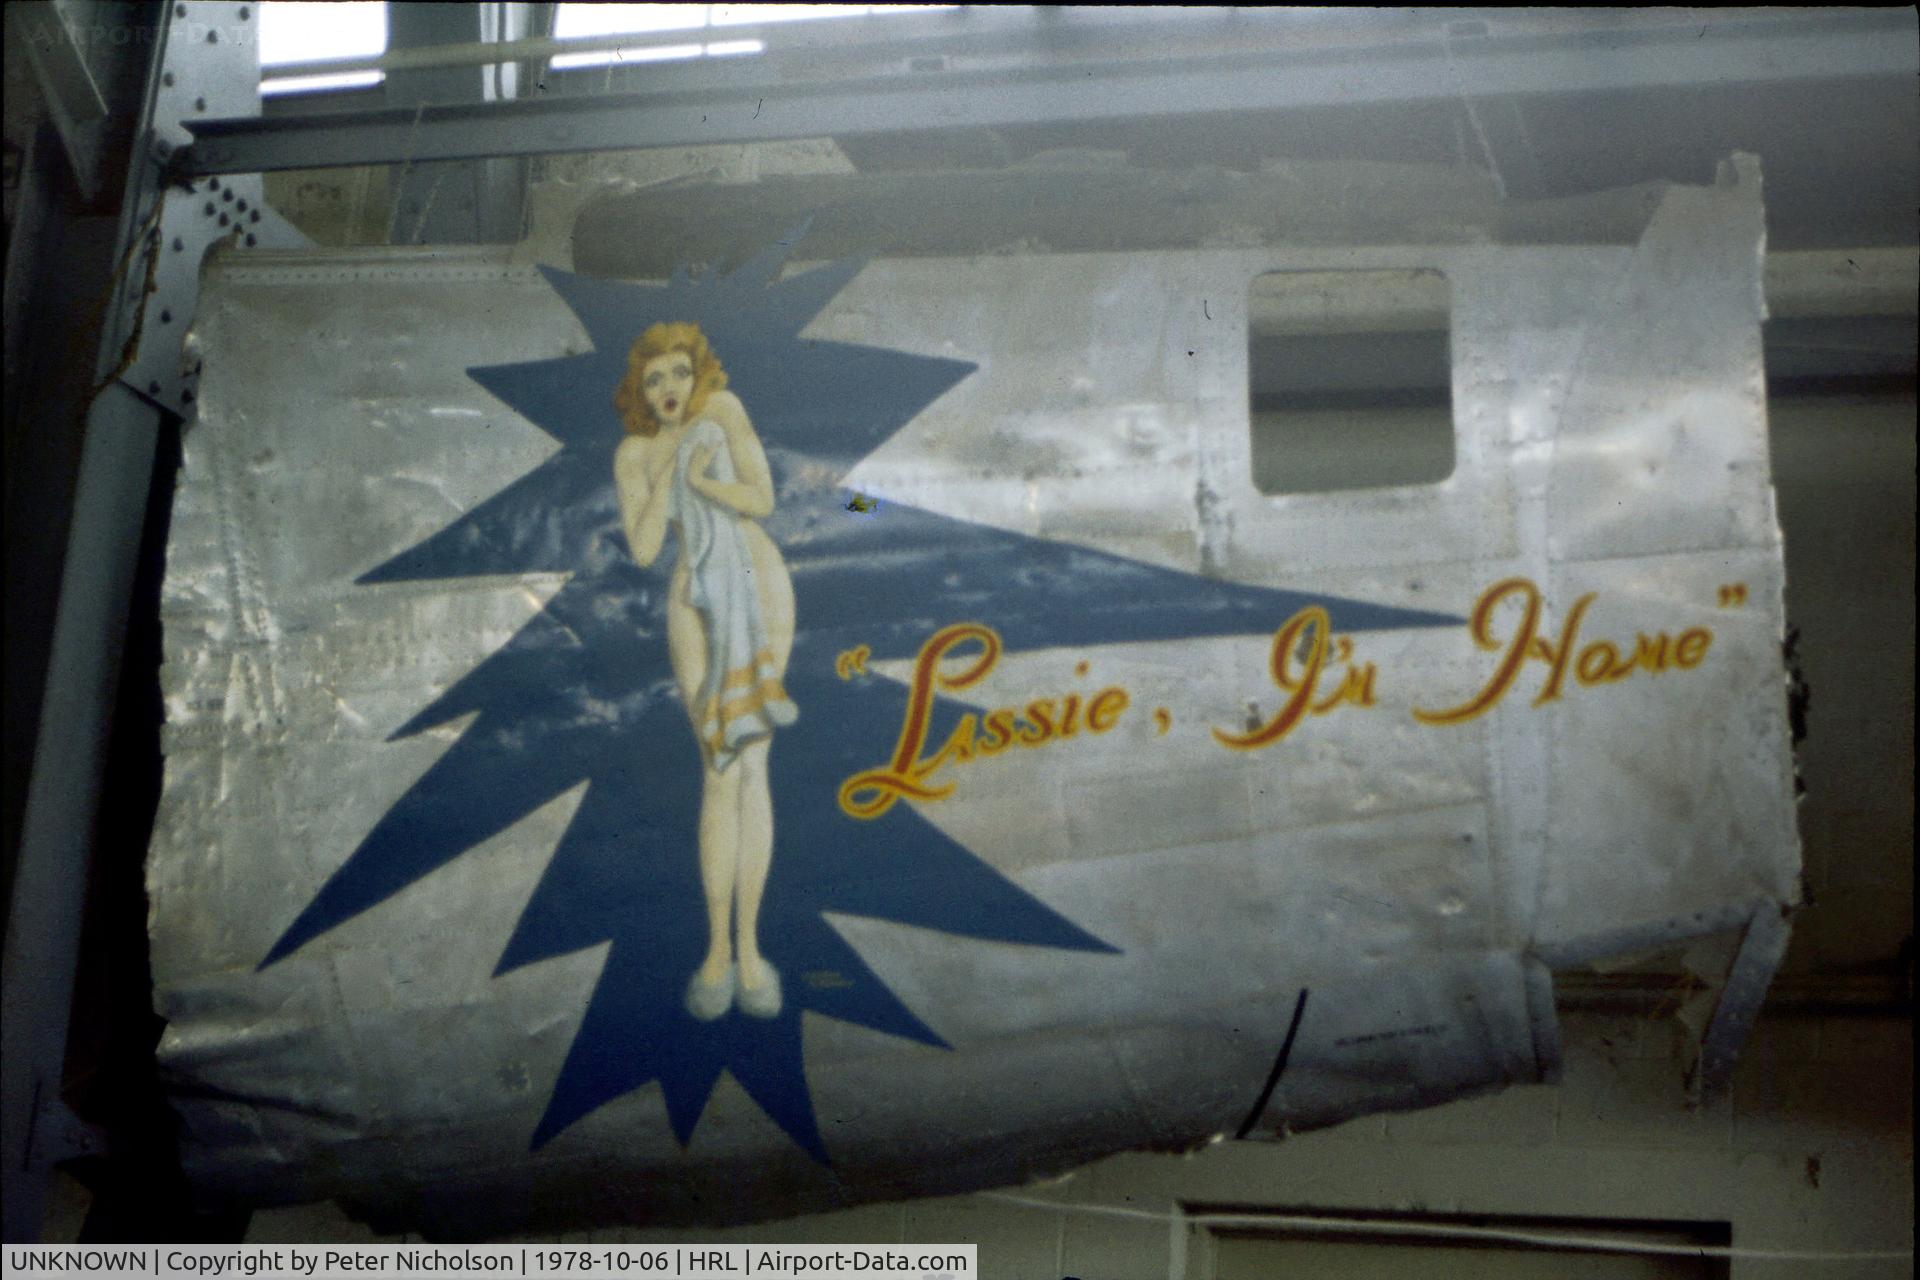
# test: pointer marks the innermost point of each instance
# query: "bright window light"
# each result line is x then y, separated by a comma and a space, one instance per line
306, 31
583, 21
726, 15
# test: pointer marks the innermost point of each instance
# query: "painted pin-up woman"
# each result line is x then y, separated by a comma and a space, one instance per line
691, 459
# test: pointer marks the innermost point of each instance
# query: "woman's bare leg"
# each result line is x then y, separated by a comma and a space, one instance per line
759, 981
755, 843
719, 830
719, 866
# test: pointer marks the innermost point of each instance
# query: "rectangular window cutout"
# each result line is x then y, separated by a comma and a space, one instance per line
1350, 380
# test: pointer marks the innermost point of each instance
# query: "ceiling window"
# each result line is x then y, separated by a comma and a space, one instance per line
699, 23
303, 31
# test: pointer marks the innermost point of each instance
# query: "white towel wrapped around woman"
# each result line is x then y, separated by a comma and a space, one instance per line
741, 699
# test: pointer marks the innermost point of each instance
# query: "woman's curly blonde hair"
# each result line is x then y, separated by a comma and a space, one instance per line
636, 415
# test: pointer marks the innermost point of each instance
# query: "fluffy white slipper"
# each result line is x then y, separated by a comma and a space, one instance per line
762, 1000
708, 1000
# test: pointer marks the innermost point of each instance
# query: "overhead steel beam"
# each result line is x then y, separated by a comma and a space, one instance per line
1809, 284
960, 32
1081, 66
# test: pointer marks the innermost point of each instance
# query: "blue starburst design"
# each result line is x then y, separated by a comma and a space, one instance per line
583, 693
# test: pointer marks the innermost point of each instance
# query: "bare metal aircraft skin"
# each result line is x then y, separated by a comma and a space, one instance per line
823, 732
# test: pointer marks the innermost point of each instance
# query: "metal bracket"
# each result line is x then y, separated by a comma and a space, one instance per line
210, 67
1761, 951
59, 1134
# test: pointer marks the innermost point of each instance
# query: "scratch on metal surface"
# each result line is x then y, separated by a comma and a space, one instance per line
254, 696
1214, 523
426, 207
1137, 1096
406, 168
1473, 115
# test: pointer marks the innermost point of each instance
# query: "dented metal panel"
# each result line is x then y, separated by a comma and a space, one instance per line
426, 912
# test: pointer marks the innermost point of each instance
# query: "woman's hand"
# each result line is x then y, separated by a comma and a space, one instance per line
697, 465
750, 492
644, 497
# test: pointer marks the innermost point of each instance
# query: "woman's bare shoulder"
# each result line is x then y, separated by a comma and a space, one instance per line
725, 408
631, 455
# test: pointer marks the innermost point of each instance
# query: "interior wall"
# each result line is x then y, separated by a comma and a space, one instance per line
1844, 472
